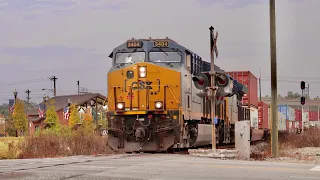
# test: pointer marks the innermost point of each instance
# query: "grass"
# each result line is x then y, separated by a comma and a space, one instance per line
8, 147
52, 143
289, 142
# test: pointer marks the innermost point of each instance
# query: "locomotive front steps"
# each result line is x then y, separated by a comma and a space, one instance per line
217, 153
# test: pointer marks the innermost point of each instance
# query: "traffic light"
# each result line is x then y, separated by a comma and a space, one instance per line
201, 81
303, 100
303, 85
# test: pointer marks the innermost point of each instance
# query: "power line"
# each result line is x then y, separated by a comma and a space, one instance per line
292, 81
25, 82
294, 77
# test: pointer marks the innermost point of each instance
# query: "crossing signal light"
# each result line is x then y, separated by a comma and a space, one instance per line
223, 80
201, 81
225, 85
303, 85
303, 100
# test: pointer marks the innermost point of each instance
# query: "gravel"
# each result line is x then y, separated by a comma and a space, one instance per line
290, 155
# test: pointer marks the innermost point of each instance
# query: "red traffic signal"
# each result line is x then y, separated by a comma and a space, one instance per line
303, 100
222, 80
201, 81
303, 85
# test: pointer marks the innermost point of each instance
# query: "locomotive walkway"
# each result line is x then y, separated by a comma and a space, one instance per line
152, 166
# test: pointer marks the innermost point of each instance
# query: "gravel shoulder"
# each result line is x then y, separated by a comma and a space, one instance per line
309, 155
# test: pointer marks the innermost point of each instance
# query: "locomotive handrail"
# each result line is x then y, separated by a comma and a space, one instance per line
109, 94
173, 94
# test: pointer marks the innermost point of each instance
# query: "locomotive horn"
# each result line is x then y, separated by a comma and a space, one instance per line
201, 81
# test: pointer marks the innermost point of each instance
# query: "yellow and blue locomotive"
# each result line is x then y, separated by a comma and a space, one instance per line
157, 98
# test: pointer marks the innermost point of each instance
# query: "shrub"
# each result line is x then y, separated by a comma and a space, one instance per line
63, 142
309, 138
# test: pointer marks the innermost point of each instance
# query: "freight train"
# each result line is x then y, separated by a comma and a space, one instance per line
158, 98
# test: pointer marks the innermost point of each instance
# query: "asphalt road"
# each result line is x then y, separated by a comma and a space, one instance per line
152, 167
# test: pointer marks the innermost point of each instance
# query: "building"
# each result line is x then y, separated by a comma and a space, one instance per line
93, 101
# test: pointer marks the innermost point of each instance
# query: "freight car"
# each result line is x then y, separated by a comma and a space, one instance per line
157, 98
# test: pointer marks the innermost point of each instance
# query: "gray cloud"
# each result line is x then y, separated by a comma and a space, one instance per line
243, 41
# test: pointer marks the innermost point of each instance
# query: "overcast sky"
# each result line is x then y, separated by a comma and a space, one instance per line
71, 39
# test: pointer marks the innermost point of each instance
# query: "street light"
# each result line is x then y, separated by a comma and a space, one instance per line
15, 93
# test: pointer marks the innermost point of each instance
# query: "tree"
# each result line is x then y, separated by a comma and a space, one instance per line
88, 122
10, 129
316, 98
20, 120
52, 116
74, 116
103, 122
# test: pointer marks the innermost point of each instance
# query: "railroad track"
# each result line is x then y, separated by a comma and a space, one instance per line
185, 151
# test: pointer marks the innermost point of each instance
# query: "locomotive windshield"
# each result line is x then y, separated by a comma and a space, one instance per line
165, 57
130, 57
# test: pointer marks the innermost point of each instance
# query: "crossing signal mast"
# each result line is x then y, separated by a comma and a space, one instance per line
303, 87
303, 101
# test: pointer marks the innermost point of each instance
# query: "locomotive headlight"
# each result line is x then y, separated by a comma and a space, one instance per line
120, 105
142, 72
158, 105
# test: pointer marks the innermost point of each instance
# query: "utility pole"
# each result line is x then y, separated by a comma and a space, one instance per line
260, 84
28, 95
273, 47
54, 85
78, 83
213, 48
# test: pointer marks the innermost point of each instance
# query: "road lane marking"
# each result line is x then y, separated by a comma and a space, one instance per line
252, 167
317, 168
304, 177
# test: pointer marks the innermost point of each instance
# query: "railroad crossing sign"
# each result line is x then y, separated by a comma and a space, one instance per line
214, 39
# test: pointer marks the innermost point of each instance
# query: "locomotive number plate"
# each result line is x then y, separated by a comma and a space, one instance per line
161, 44
134, 44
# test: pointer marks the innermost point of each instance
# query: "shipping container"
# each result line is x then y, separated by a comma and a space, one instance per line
291, 114
298, 115
313, 115
293, 124
263, 115
282, 121
305, 114
283, 108
254, 117
300, 124
249, 80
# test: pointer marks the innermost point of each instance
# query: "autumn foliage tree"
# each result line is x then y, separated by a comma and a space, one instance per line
52, 116
74, 118
88, 122
20, 119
